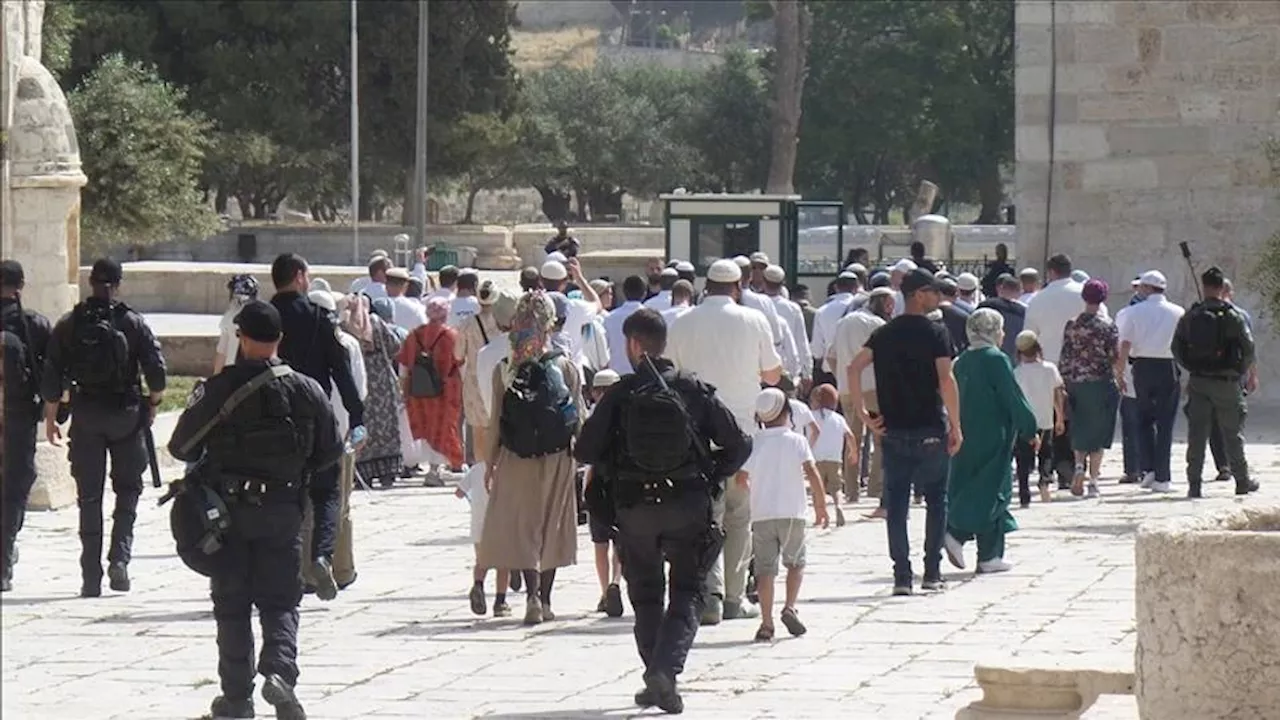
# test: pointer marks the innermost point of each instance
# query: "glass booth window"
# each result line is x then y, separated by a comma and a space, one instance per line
714, 240
818, 230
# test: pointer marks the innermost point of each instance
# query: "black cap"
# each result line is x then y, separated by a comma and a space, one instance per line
259, 321
106, 272
947, 286
918, 279
11, 275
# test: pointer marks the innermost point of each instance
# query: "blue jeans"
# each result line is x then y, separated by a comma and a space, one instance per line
1134, 462
1155, 382
915, 459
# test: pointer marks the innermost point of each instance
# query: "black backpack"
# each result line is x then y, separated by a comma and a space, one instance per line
658, 431
538, 416
21, 367
1211, 344
99, 351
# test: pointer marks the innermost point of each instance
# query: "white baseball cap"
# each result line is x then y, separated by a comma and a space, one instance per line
905, 265
554, 270
1155, 279
967, 282
324, 299
759, 257
774, 274
724, 271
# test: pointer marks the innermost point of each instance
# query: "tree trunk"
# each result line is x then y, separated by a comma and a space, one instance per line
471, 204
791, 22
604, 201
582, 198
246, 207
991, 193
220, 202
555, 203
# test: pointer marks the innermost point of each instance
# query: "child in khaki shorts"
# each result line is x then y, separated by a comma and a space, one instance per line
834, 446
780, 464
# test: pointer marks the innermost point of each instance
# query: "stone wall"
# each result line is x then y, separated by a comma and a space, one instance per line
1159, 112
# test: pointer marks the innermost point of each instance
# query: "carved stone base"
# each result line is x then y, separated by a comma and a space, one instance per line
1040, 692
54, 488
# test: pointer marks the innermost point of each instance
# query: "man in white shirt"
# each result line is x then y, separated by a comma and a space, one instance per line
662, 300
555, 277
1030, 279
731, 348
896, 274
681, 301
464, 305
375, 285
448, 277
793, 317
492, 354
633, 289
851, 336
686, 271
749, 298
407, 313
966, 292
1146, 338
824, 325
1051, 308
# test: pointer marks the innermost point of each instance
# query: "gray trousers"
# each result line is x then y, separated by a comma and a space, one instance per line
1219, 401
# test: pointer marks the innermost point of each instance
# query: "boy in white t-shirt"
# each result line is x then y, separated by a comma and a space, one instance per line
1043, 386
834, 446
780, 463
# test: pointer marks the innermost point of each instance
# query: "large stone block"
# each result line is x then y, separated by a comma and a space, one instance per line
1104, 44
1149, 141
1192, 43
1071, 78
1204, 108
1150, 13
1221, 12
1260, 108
1111, 106
1035, 109
1148, 206
1071, 142
1206, 606
1239, 139
1249, 44
1191, 170
1128, 174
1036, 46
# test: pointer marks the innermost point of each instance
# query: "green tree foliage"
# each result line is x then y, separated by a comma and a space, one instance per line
1265, 275
142, 151
274, 80
903, 90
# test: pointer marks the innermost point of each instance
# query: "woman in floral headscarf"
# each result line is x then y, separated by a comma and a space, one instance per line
994, 413
435, 420
1090, 342
380, 457
531, 521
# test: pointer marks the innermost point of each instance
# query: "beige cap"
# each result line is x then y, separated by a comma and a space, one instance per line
605, 378
758, 257
504, 308
398, 273
742, 261
724, 271
967, 282
1026, 339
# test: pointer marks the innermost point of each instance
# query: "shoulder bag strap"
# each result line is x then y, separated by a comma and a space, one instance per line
483, 334
240, 395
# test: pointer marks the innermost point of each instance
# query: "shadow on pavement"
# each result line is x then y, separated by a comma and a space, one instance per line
1147, 499
442, 541
624, 712
38, 600
618, 626
1114, 530
154, 618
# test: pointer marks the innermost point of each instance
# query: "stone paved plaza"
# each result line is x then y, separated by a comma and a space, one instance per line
401, 643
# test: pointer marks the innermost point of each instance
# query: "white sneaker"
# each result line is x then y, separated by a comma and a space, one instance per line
1162, 487
955, 550
1092, 490
1148, 479
994, 566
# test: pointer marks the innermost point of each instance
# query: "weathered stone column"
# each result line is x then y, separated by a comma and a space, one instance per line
1207, 604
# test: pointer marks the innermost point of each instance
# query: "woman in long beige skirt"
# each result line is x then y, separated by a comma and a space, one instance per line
531, 520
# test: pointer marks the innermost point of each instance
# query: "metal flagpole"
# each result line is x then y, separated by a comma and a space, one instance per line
355, 136
420, 133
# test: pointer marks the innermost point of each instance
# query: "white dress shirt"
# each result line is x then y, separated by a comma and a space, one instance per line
355, 355
1049, 311
408, 313
851, 336
1025, 298
728, 346
753, 299
368, 286
487, 361
788, 352
824, 323
659, 302
618, 360
792, 316
1148, 327
580, 312
672, 313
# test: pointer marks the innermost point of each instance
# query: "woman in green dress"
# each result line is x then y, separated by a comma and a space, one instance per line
993, 414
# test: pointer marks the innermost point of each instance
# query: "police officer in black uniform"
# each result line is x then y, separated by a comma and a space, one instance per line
98, 348
663, 518
260, 457
310, 345
26, 340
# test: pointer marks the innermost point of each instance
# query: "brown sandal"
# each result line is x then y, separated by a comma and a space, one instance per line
765, 633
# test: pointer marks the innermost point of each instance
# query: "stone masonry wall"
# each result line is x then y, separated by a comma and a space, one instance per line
1159, 114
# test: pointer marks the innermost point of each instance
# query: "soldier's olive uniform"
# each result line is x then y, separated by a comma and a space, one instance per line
106, 421
1214, 392
261, 459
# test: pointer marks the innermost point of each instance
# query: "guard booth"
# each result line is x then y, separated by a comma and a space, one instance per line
805, 237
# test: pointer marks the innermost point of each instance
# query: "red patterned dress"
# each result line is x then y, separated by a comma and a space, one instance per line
435, 420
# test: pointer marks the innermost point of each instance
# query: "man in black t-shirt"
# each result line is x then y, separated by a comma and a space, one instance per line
919, 421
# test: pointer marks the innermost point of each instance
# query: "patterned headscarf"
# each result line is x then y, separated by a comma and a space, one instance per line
357, 319
985, 328
530, 330
437, 309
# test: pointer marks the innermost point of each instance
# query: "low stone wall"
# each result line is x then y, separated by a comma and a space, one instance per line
1206, 608
189, 354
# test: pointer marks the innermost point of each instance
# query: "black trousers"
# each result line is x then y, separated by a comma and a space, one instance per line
19, 475
263, 555
1025, 457
99, 431
325, 492
678, 532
